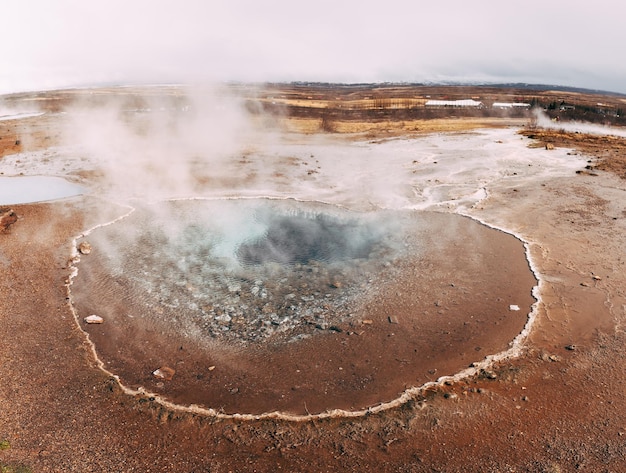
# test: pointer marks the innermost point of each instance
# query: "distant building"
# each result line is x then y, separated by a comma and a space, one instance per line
454, 103
508, 105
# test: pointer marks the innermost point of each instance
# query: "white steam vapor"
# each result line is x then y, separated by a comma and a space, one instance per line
544, 121
158, 147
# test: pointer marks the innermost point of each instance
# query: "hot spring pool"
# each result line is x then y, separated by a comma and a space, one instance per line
244, 270
261, 305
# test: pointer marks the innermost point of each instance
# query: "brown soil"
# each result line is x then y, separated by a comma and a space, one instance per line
606, 153
559, 407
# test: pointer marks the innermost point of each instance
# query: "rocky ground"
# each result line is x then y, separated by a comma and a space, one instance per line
558, 407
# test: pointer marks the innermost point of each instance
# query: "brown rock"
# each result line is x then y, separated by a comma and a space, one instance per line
164, 372
93, 319
84, 248
7, 218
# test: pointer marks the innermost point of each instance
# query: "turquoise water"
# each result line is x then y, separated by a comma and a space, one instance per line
29, 189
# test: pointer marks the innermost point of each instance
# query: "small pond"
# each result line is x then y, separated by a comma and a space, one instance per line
29, 189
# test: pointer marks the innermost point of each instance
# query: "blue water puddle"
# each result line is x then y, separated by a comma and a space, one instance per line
29, 189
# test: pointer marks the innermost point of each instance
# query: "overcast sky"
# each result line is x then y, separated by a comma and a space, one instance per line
60, 43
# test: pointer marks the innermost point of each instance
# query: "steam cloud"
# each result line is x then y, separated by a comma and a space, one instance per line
544, 121
158, 146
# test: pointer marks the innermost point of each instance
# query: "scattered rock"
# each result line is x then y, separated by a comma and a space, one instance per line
93, 319
584, 284
164, 372
367, 322
548, 357
489, 374
570, 347
224, 318
596, 278
84, 248
336, 284
514, 307
392, 319
7, 218
549, 146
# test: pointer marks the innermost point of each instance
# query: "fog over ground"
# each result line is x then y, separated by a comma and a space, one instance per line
73, 43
